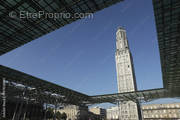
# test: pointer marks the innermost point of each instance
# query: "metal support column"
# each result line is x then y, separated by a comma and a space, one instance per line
4, 98
119, 116
45, 111
142, 116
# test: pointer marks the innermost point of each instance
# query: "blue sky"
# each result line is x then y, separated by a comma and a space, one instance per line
80, 56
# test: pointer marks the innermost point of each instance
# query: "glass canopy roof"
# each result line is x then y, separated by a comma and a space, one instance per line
18, 26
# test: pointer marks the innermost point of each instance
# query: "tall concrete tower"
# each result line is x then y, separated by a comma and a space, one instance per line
125, 76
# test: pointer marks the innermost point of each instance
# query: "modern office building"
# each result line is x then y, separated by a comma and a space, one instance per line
125, 76
161, 111
100, 112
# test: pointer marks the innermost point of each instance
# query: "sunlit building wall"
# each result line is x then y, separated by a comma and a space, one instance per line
161, 111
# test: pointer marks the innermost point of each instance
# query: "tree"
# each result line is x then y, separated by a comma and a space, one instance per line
64, 116
58, 115
49, 113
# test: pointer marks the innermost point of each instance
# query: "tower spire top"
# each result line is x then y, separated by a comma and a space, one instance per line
121, 28
121, 39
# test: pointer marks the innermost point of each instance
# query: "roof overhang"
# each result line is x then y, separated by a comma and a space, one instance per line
18, 28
